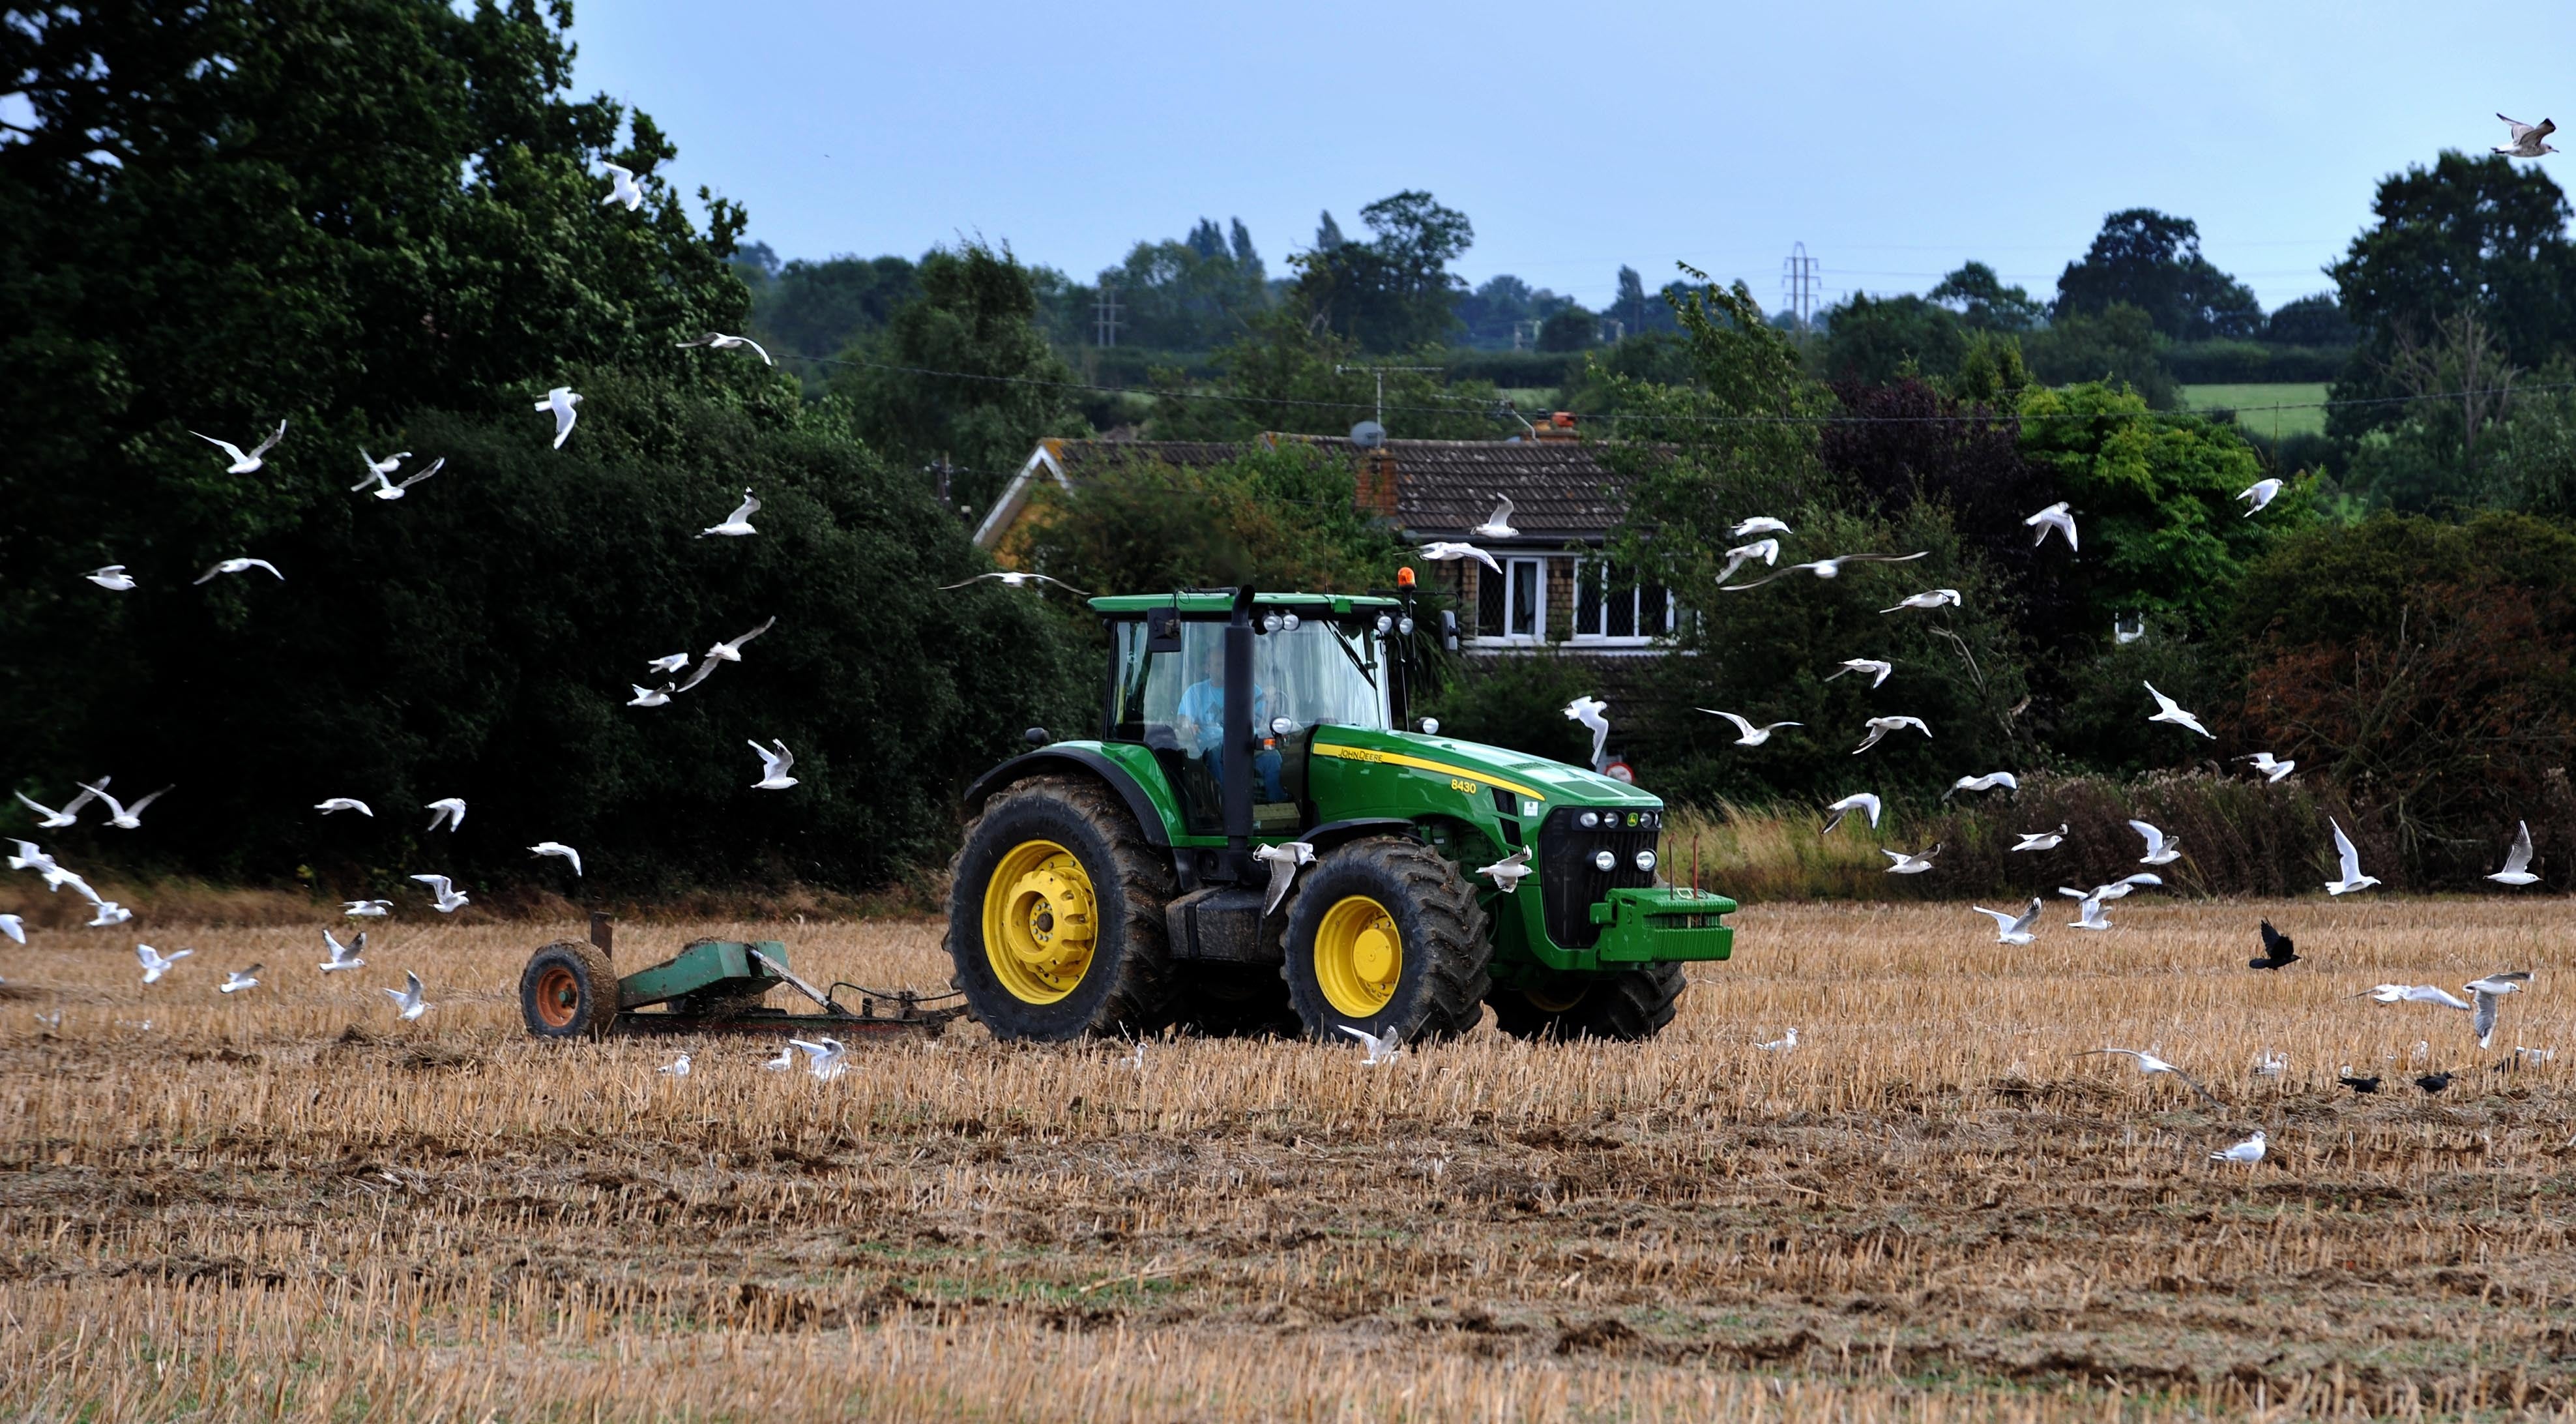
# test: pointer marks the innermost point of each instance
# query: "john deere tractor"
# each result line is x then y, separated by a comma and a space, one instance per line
1110, 886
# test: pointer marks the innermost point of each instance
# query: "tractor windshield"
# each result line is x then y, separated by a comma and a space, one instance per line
1313, 675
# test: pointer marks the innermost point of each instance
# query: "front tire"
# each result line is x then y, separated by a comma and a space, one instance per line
1628, 1005
1055, 916
1385, 936
568, 990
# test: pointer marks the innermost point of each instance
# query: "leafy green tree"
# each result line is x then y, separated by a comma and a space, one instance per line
1286, 373
1284, 518
1875, 340
2118, 343
816, 309
962, 373
1984, 302
1393, 292
1187, 296
1570, 329
2314, 320
2150, 260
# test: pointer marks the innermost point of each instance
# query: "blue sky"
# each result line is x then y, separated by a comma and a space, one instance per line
1894, 140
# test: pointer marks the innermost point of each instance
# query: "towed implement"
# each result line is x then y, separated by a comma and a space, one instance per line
571, 989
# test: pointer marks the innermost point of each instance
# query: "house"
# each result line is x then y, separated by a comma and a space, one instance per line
1552, 588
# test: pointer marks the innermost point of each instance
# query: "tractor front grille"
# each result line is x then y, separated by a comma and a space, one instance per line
1570, 884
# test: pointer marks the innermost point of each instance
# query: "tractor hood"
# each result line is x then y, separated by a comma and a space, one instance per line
1549, 783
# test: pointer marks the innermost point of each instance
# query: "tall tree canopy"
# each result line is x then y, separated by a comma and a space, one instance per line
2151, 261
1393, 292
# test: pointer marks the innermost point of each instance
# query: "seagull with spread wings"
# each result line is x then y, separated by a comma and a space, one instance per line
1748, 734
559, 403
1825, 568
245, 463
1588, 711
1015, 578
724, 652
379, 474
1767, 550
1759, 524
2271, 767
2011, 928
2043, 840
2054, 517
2259, 494
622, 187
238, 566
1497, 525
2517, 861
1441, 551
1880, 726
1877, 668
1284, 859
718, 341
2168, 710
2150, 1064
1861, 801
2348, 862
2525, 140
1929, 598
738, 523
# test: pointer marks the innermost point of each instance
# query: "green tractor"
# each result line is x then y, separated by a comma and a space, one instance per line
1115, 886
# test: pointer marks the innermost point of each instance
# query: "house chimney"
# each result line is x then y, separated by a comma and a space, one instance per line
1375, 487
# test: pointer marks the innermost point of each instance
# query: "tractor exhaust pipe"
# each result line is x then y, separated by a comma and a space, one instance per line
1237, 750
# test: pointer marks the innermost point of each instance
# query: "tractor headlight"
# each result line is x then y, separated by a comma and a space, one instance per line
1604, 861
1430, 726
1587, 821
1405, 626
1646, 860
1270, 623
1289, 621
1385, 624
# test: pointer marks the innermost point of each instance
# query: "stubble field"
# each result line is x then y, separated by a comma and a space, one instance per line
285, 1204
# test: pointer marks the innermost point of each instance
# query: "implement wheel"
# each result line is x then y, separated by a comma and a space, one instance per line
568, 990
1628, 1004
1055, 915
1384, 935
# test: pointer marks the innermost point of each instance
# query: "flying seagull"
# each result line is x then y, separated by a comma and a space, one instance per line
1824, 568
668, 662
718, 341
2415, 994
825, 1058
2277, 950
29, 857
1767, 550
120, 815
2168, 710
2271, 767
1857, 801
240, 979
1877, 668
2259, 494
559, 850
738, 523
1284, 859
731, 652
2160, 851
2349, 861
244, 464
1752, 736
2249, 1151
2487, 991
1987, 782
1441, 551
2150, 1064
155, 963
1909, 864
622, 187
1015, 578
1588, 710
1507, 872
2088, 915
1929, 598
344, 803
651, 696
1497, 525
109, 913
560, 401
2517, 861
366, 909
385, 487
113, 578
2011, 928
1880, 726
1783, 1044
49, 819
773, 766
385, 466
14, 927
343, 956
2054, 517
450, 899
450, 809
238, 566
409, 1000
1759, 524
2524, 140
2119, 889
677, 1067
1381, 1049
2043, 840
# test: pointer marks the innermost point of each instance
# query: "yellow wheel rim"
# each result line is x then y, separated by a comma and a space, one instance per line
1557, 998
1359, 956
1041, 922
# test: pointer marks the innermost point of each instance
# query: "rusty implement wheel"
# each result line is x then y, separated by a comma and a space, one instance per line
569, 990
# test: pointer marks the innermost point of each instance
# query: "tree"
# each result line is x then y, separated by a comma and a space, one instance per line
1873, 340
1244, 255
2151, 261
1283, 374
1629, 307
961, 373
1983, 302
2115, 344
1207, 239
816, 309
1284, 518
1571, 328
2482, 235
1393, 292
1328, 233
2314, 320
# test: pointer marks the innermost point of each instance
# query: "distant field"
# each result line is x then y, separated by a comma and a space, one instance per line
2249, 403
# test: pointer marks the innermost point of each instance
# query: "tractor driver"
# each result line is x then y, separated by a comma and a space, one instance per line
1199, 720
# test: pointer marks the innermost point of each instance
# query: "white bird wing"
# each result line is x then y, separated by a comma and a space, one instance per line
226, 446
2515, 129
1741, 725
1501, 518
749, 507
2005, 920
434, 467
2346, 853
811, 1050
2518, 860
2483, 1017
2155, 838
705, 669
374, 477
438, 884
765, 626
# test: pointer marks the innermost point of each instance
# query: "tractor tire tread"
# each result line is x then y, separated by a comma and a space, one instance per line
1140, 1002
1456, 944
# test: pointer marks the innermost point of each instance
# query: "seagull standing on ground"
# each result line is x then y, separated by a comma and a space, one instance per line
120, 815
450, 809
2517, 861
718, 341
450, 899
1857, 801
2271, 767
1507, 872
2160, 851
738, 523
1750, 735
677, 1067
1497, 525
2278, 951
785, 1060
1783, 1044
1284, 859
2011, 928
1588, 710
113, 578
773, 766
1929, 598
1767, 550
622, 187
2043, 840
2168, 710
2249, 1151
343, 956
244, 464
237, 566
410, 1001
1877, 668
155, 963
2524, 140
2054, 517
560, 401
1441, 551
1824, 568
1909, 864
2348, 859
2259, 494
1880, 726
559, 850
2149, 1063
344, 803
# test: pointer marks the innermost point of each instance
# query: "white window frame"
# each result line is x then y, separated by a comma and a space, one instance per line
1518, 568
1596, 636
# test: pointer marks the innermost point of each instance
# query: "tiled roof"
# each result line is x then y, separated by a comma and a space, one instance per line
1447, 487
1084, 457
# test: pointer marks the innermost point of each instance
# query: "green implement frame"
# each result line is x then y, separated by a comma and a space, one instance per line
710, 986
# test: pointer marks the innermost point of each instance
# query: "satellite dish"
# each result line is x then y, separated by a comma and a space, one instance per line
1368, 435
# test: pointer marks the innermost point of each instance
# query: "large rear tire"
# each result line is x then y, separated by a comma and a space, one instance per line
568, 990
1055, 915
1627, 1004
1385, 936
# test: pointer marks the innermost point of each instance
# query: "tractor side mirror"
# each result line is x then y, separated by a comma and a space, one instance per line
1449, 629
